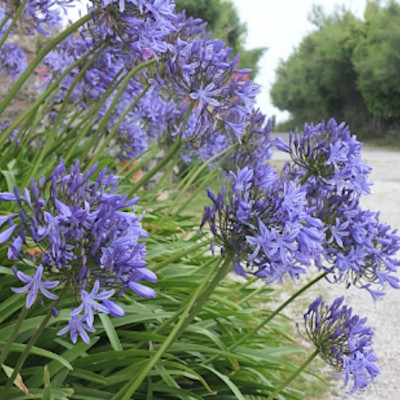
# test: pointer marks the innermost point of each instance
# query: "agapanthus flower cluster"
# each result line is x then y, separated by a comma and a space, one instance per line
204, 72
41, 16
212, 125
135, 27
12, 60
343, 341
329, 153
256, 146
254, 150
265, 225
12, 57
94, 83
79, 234
359, 249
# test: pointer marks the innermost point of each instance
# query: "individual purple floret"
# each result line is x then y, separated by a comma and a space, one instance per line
77, 327
34, 285
343, 341
83, 236
265, 225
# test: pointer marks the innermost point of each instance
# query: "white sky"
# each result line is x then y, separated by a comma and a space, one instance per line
280, 25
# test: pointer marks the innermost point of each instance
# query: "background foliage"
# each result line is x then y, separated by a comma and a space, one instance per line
347, 68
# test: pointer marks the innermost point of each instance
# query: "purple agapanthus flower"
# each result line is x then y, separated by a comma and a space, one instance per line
41, 16
359, 250
343, 341
328, 152
33, 285
205, 95
265, 225
140, 27
12, 60
83, 236
204, 71
77, 327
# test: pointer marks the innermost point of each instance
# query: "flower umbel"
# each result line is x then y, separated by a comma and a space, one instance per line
82, 235
264, 223
343, 341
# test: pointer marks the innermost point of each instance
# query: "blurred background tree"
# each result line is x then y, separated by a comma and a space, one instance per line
348, 68
377, 62
224, 23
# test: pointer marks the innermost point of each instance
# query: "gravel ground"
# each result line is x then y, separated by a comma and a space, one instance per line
383, 316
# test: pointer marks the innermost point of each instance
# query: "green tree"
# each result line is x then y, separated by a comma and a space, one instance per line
377, 61
318, 79
224, 23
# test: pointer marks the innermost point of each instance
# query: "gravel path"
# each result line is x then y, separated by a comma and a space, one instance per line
384, 315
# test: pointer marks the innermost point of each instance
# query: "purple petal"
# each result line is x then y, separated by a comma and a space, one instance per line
142, 290
114, 309
5, 218
4, 236
5, 196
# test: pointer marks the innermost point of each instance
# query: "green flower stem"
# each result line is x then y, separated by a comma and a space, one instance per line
304, 179
195, 304
13, 335
97, 50
250, 281
141, 160
188, 172
86, 125
32, 109
271, 316
128, 170
40, 153
179, 255
37, 60
168, 157
13, 22
3, 23
31, 343
294, 375
163, 183
59, 143
181, 309
224, 270
193, 177
120, 87
254, 293
116, 98
99, 152
200, 186
199, 189
160, 165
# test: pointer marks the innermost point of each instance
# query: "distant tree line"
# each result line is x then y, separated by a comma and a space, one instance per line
223, 22
349, 69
